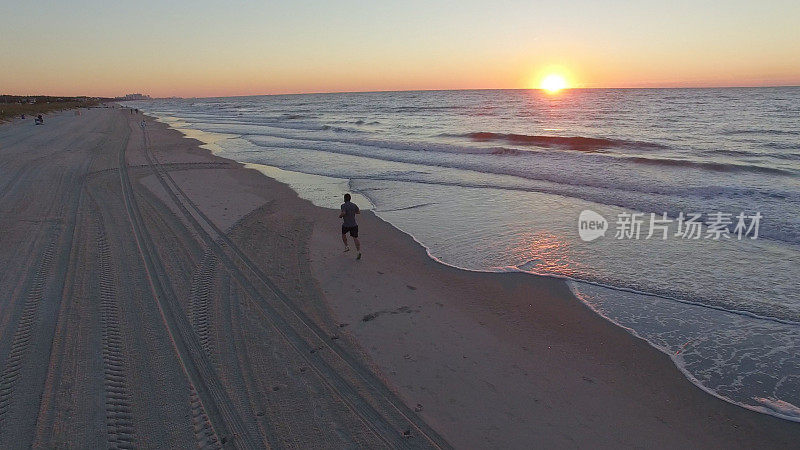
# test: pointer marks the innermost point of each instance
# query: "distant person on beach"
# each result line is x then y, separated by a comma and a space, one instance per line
349, 225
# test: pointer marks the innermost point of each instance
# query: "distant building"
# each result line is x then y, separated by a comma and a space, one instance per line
134, 97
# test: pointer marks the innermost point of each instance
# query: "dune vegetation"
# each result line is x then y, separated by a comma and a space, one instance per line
12, 106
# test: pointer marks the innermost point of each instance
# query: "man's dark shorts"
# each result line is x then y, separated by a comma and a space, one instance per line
352, 230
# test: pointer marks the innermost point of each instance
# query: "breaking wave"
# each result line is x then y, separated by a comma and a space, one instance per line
579, 143
709, 165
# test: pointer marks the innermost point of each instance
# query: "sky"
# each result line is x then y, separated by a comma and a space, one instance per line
222, 48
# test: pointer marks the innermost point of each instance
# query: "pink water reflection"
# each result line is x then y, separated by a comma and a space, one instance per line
543, 252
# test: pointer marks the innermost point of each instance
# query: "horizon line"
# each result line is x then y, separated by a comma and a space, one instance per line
421, 90
486, 89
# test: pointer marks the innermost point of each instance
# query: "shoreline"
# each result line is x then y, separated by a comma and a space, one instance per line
571, 282
661, 353
210, 141
304, 345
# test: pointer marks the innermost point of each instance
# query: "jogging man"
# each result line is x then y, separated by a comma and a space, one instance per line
349, 225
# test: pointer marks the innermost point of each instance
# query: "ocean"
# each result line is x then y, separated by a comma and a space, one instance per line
699, 190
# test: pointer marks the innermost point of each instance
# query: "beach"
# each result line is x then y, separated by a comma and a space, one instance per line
158, 295
496, 181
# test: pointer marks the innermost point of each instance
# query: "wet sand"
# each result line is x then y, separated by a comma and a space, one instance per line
159, 296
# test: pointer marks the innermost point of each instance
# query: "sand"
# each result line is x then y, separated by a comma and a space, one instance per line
180, 300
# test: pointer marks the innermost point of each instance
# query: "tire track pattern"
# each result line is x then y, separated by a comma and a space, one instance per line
199, 305
24, 331
213, 399
119, 414
334, 380
203, 430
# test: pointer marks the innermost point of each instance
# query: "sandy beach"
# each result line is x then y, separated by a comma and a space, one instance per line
159, 296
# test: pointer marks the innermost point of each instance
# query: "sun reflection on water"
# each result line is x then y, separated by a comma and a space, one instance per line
545, 253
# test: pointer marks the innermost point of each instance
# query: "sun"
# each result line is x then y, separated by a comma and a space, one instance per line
553, 83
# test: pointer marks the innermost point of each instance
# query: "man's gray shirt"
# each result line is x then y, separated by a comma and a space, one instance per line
349, 209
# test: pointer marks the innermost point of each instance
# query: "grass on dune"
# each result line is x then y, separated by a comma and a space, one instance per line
15, 107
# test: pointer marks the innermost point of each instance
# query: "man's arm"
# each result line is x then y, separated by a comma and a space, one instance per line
358, 211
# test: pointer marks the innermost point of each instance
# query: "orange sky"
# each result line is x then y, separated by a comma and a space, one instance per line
206, 48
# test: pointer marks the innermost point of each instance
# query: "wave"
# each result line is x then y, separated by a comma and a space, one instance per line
339, 129
421, 108
264, 138
789, 156
782, 146
536, 174
709, 165
357, 122
736, 153
579, 143
761, 131
750, 154
721, 388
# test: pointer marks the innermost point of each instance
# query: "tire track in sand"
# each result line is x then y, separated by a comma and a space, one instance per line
23, 334
255, 282
203, 430
199, 304
214, 401
119, 413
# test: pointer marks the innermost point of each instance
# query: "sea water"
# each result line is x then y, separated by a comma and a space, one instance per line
495, 180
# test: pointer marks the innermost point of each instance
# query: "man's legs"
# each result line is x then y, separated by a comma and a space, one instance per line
344, 239
354, 235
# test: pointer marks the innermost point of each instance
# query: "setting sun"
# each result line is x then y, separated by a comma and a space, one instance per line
553, 83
